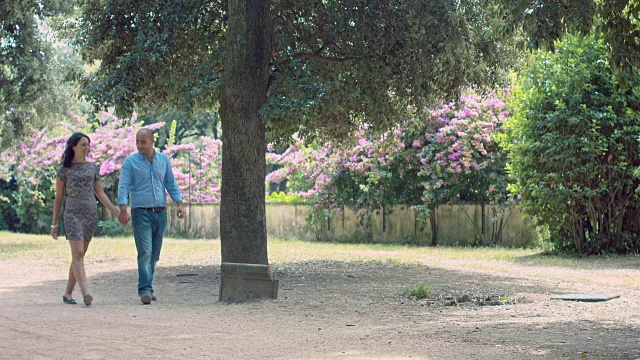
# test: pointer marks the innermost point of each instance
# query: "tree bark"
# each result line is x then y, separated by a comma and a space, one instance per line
242, 207
433, 220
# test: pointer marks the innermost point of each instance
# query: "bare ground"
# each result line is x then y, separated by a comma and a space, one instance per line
325, 310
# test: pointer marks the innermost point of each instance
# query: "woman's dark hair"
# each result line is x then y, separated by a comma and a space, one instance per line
67, 156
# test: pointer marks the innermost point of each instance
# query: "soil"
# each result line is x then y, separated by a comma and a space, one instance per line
325, 310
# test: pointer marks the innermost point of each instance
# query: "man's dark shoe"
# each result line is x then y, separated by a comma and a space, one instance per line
145, 297
153, 297
88, 299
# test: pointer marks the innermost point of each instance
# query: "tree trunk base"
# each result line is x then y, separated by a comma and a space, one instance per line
241, 282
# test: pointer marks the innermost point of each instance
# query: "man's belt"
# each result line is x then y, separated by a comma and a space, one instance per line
154, 209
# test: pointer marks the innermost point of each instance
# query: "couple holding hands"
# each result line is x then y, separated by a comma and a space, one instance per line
144, 177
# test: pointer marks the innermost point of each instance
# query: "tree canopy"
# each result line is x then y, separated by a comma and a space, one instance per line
157, 55
333, 63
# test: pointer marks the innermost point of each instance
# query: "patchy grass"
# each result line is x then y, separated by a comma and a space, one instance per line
420, 292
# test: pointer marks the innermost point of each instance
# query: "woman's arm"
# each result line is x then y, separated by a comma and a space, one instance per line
104, 199
57, 203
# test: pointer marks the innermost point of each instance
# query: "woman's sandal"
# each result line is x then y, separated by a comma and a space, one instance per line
69, 301
88, 299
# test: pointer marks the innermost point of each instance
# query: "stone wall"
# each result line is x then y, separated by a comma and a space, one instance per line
459, 225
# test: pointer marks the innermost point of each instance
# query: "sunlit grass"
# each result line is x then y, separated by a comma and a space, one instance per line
206, 252
40, 247
294, 250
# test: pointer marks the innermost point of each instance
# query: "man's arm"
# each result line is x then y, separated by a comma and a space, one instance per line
172, 188
171, 185
124, 187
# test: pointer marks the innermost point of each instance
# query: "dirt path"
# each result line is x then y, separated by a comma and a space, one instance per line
325, 310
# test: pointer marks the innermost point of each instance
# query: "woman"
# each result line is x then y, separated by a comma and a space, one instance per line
81, 180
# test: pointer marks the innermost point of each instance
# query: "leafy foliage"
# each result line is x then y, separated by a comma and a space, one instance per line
339, 62
189, 125
573, 147
32, 85
153, 55
284, 198
543, 23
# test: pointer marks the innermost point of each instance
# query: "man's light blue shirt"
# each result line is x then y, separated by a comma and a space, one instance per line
144, 182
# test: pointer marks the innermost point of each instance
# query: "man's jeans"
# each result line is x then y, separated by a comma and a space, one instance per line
148, 229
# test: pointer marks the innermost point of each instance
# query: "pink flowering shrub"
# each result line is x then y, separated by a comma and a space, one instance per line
198, 169
32, 165
332, 177
461, 160
446, 156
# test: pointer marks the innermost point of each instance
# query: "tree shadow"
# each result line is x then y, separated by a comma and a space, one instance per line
582, 262
322, 307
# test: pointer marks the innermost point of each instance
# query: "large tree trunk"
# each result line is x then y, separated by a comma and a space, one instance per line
242, 209
245, 271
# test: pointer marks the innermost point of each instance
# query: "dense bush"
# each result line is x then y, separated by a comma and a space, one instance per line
573, 144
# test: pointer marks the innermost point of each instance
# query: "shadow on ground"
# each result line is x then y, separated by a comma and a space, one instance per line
325, 310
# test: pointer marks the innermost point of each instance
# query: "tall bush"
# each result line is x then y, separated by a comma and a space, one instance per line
460, 160
573, 147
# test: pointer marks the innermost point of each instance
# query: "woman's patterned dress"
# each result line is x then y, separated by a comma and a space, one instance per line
80, 208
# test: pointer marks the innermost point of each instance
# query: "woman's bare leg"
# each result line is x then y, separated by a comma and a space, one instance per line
71, 281
78, 250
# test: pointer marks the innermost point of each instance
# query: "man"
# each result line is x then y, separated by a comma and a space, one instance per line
143, 179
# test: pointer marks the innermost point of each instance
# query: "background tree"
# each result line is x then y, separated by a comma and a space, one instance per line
32, 85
